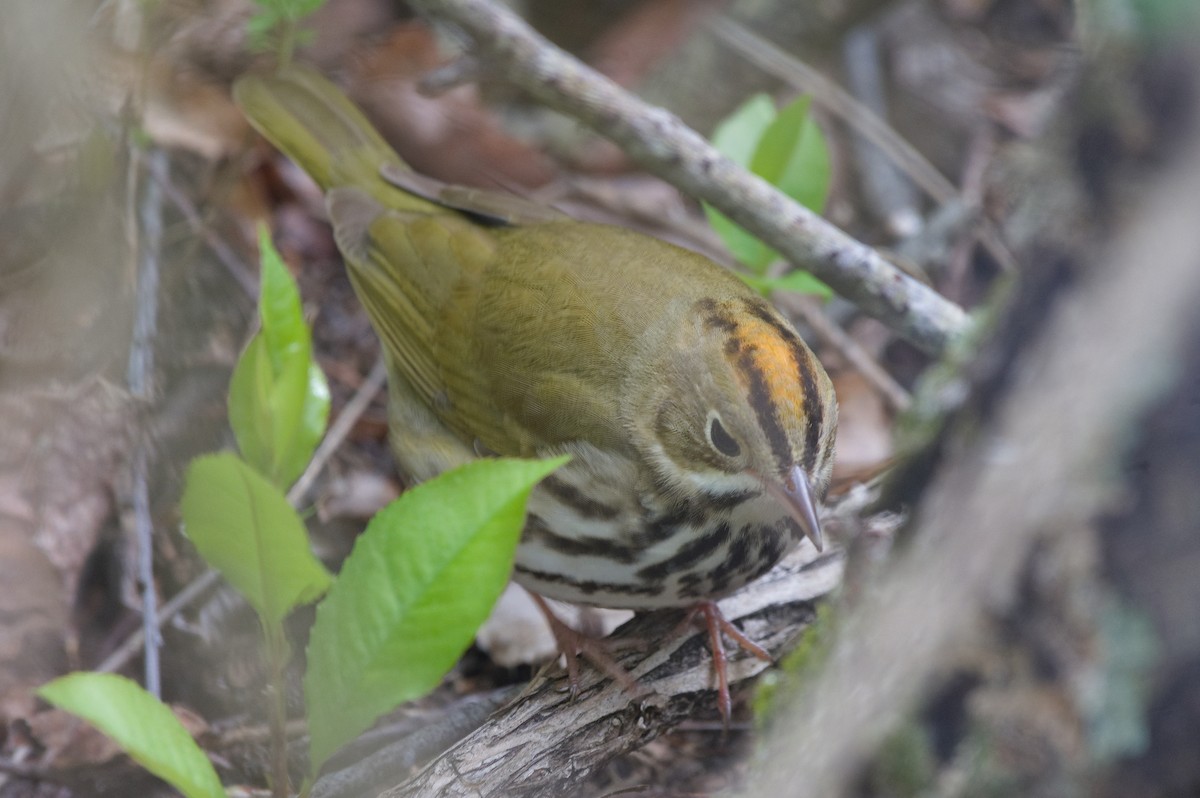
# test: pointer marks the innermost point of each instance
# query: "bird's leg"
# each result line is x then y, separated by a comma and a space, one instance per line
716, 622
574, 644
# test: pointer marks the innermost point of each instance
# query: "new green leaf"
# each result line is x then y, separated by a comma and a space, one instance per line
278, 397
795, 281
142, 725
738, 135
793, 157
289, 9
276, 16
786, 149
736, 138
245, 528
421, 579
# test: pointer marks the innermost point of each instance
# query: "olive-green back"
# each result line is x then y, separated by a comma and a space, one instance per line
517, 337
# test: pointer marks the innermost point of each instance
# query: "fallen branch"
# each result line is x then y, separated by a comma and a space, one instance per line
544, 743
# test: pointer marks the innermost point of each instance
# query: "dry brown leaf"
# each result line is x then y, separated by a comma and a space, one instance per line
452, 137
638, 42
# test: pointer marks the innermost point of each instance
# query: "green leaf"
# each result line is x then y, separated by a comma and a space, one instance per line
250, 390
278, 397
793, 156
798, 282
245, 528
737, 136
142, 725
742, 244
262, 22
279, 306
412, 593
289, 9
786, 149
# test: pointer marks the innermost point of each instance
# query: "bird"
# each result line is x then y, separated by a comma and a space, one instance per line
701, 428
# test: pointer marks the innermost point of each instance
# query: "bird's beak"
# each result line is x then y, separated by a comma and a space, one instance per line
796, 495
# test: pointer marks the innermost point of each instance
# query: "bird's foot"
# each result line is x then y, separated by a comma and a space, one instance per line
574, 644
716, 623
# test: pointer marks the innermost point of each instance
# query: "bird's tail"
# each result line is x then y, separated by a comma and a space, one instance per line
316, 125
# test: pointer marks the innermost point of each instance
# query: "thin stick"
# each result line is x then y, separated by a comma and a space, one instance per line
979, 155
129, 649
233, 264
139, 378
664, 145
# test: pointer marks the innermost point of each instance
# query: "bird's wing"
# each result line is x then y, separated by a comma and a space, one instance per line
495, 333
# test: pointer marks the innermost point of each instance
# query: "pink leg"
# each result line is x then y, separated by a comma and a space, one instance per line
716, 623
574, 644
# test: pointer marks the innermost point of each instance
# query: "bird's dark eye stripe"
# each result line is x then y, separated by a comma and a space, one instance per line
722, 441
813, 407
764, 406
813, 401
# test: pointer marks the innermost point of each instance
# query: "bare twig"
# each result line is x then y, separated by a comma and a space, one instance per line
233, 264
141, 355
140, 377
184, 598
772, 59
665, 146
144, 529
979, 156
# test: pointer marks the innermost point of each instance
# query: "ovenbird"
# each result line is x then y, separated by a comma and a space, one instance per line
700, 425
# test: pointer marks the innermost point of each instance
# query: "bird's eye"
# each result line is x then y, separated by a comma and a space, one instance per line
721, 440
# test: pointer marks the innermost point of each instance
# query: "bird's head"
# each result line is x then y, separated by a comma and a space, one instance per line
735, 402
